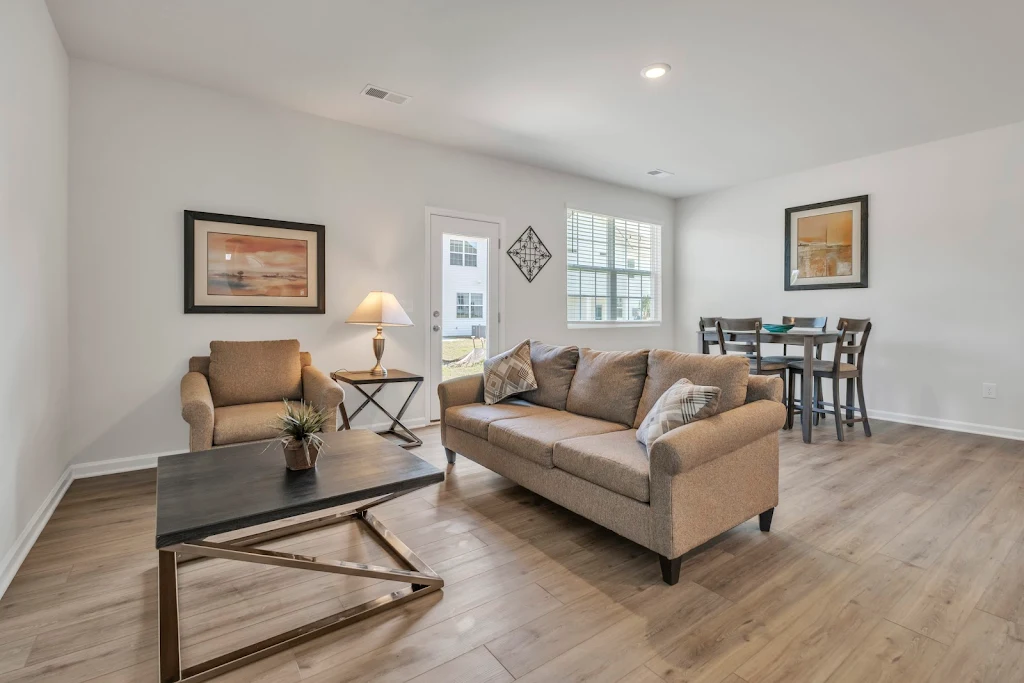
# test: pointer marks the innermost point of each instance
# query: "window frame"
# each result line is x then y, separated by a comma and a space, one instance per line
473, 301
466, 249
616, 310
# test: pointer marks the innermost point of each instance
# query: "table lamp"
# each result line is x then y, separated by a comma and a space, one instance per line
383, 310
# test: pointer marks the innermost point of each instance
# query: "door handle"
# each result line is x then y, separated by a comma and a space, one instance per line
436, 328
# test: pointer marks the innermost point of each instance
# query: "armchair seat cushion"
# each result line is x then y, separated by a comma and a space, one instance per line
475, 418
615, 461
247, 422
534, 437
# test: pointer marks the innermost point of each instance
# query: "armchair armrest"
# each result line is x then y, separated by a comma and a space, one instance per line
692, 445
323, 392
459, 391
197, 410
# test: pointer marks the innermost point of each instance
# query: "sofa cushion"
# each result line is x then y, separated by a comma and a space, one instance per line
254, 372
534, 437
246, 422
476, 417
665, 368
553, 367
615, 461
608, 384
508, 373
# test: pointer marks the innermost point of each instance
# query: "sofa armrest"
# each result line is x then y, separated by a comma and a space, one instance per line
694, 444
459, 391
323, 392
197, 410
764, 388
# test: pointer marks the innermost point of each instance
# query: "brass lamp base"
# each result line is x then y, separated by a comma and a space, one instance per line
378, 351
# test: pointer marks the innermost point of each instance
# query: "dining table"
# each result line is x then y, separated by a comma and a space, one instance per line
807, 338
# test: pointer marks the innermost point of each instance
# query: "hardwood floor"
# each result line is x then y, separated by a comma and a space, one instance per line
896, 558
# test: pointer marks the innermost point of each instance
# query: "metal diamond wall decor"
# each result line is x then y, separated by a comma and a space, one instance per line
529, 254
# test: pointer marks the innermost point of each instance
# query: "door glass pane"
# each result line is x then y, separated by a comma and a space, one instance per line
463, 305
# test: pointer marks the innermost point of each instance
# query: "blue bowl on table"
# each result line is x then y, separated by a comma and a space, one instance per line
777, 329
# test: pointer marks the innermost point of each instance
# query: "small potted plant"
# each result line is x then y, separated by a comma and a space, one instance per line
301, 426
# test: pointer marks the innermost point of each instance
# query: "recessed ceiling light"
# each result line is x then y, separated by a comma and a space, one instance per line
655, 70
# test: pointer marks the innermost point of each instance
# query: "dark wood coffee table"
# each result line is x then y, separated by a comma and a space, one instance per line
226, 489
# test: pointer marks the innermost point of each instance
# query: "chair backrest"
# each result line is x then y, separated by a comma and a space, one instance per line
853, 340
820, 322
730, 341
707, 324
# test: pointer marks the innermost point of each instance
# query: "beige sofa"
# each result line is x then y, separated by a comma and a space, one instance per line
573, 441
234, 395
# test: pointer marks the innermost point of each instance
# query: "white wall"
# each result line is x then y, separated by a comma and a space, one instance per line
946, 272
33, 271
143, 149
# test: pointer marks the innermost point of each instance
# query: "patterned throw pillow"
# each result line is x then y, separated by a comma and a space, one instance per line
683, 403
508, 374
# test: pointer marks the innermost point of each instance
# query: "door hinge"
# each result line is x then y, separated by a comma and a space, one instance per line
499, 244
499, 317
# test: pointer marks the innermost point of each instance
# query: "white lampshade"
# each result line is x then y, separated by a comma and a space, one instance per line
382, 309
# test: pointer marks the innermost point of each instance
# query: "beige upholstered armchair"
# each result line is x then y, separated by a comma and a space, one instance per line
234, 395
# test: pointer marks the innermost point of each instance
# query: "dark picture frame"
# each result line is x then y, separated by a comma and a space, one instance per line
191, 217
859, 238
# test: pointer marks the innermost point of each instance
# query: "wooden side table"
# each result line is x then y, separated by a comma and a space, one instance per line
359, 379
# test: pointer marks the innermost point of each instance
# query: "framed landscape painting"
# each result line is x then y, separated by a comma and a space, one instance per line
827, 245
235, 264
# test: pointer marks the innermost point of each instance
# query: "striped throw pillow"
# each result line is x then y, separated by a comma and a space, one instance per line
683, 403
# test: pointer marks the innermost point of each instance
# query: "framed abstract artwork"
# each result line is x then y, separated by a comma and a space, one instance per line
236, 264
827, 245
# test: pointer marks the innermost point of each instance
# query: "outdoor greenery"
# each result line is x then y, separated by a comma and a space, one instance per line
453, 349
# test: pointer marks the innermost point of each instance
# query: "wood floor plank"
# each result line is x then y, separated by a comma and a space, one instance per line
890, 654
987, 650
476, 666
939, 604
924, 539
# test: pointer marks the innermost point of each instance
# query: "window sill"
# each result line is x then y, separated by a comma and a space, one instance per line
593, 324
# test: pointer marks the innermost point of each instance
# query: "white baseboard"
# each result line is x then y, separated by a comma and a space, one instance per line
949, 425
26, 539
83, 470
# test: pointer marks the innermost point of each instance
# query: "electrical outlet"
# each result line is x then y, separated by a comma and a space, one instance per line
988, 390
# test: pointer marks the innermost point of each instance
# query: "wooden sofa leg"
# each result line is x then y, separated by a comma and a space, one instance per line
765, 518
450, 454
670, 569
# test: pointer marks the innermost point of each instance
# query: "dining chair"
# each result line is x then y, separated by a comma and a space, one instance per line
852, 342
728, 342
707, 323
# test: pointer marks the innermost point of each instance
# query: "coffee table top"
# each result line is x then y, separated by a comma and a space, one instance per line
212, 492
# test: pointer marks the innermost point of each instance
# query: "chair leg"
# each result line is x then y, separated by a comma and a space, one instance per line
849, 402
344, 416
792, 399
670, 569
837, 409
450, 454
819, 401
863, 407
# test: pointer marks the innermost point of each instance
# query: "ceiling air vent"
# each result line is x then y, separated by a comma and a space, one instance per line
659, 173
386, 95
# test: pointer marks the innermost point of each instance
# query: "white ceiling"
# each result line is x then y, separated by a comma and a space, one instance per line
758, 87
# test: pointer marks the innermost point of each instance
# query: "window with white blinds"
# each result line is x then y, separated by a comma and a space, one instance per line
614, 269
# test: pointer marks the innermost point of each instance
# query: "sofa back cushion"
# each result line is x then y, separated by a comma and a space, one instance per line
608, 384
665, 368
553, 367
254, 372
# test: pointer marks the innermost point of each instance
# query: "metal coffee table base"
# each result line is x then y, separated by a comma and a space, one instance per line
422, 580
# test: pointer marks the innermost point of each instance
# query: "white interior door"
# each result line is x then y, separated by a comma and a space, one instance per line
465, 296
